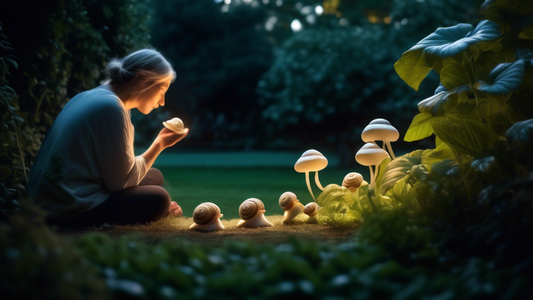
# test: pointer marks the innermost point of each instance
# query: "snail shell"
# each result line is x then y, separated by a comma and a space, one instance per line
287, 200
206, 217
352, 181
311, 209
250, 207
252, 214
205, 212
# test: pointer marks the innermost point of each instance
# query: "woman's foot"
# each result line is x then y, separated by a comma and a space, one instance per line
175, 210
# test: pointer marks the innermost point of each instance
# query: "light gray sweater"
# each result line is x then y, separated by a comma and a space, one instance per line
87, 154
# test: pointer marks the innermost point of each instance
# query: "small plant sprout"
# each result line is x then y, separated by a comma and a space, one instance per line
371, 155
311, 161
352, 181
381, 130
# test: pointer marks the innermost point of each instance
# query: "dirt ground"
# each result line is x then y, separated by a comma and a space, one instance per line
178, 228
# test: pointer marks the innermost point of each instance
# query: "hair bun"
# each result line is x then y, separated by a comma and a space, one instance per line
117, 73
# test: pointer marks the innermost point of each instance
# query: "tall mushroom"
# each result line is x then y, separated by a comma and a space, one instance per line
381, 130
371, 155
311, 161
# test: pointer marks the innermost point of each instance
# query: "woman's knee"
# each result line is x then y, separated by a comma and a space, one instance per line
153, 177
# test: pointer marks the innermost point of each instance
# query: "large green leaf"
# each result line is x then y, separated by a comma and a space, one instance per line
398, 168
504, 78
465, 134
453, 74
414, 64
520, 132
420, 127
441, 152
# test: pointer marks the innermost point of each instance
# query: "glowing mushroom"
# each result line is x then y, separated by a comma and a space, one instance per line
311, 161
371, 155
381, 130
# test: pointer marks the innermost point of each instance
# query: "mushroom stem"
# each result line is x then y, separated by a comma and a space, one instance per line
390, 150
371, 177
309, 185
318, 181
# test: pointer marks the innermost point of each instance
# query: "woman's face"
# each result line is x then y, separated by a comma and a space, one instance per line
152, 98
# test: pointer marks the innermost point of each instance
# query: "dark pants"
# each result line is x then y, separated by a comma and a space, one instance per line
141, 204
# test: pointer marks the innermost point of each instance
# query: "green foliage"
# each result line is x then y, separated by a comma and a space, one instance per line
336, 204
38, 264
11, 158
218, 57
328, 81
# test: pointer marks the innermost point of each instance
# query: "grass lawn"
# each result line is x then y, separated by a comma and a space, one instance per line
228, 187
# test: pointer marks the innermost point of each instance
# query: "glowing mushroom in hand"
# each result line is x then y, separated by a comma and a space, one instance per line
311, 161
252, 214
206, 217
371, 155
381, 130
176, 125
291, 205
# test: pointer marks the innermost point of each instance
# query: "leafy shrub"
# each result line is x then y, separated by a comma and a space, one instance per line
38, 264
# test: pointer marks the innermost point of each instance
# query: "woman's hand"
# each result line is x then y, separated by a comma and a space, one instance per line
168, 138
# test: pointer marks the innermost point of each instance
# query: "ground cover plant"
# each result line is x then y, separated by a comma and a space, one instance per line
453, 221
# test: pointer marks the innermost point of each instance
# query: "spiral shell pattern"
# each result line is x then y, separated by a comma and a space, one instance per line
250, 207
352, 179
311, 209
287, 200
205, 212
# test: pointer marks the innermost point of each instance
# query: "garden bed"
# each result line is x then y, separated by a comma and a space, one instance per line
178, 228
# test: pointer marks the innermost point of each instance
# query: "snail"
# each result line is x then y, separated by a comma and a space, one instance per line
176, 125
353, 181
252, 214
206, 217
311, 209
291, 205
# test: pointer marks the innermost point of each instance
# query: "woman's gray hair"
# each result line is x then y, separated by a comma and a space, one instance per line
149, 64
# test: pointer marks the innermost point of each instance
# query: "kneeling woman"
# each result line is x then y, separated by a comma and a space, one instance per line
86, 172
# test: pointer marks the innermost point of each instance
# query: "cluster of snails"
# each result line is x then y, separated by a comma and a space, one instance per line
292, 207
206, 216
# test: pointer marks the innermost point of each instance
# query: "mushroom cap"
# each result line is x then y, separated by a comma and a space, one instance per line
380, 130
370, 155
250, 207
352, 179
205, 212
311, 160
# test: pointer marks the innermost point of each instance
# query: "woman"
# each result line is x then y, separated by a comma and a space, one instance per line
86, 172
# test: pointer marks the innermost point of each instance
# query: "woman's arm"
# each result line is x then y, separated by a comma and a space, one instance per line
165, 139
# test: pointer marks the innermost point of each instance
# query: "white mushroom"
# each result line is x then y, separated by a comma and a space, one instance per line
291, 205
381, 130
206, 217
176, 125
311, 161
371, 155
252, 214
